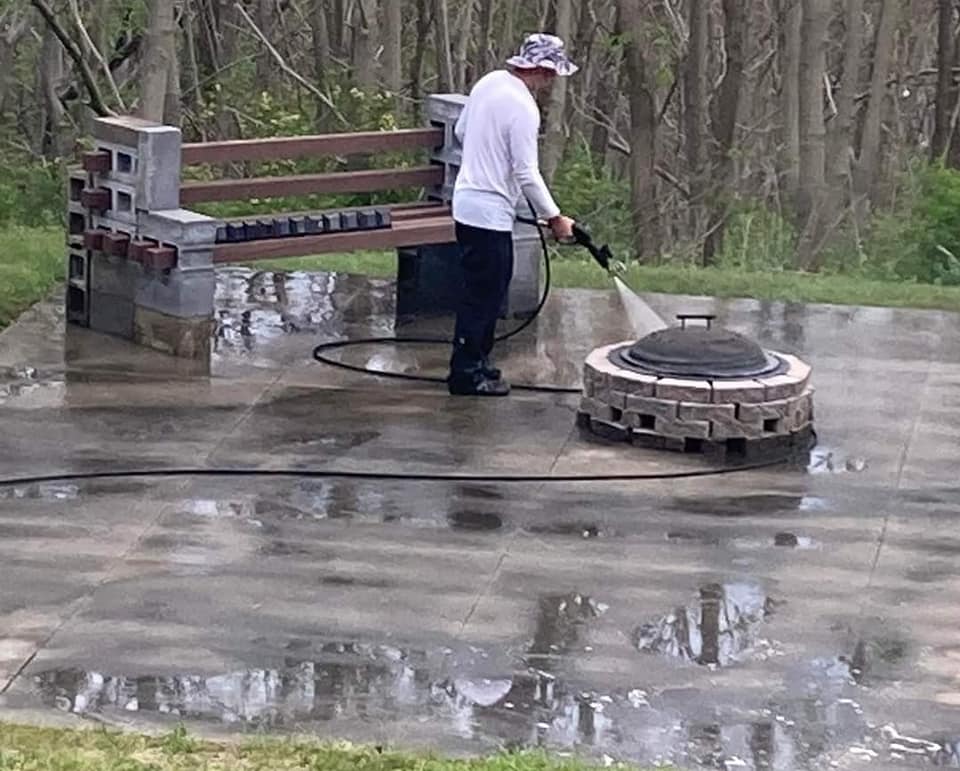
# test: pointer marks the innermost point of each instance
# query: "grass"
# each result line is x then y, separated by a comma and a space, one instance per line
53, 749
31, 263
715, 282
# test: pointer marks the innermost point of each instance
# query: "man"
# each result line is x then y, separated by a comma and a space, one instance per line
499, 130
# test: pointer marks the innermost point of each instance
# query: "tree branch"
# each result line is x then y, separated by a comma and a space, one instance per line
286, 67
85, 37
96, 99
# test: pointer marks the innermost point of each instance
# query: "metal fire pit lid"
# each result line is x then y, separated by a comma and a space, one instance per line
698, 351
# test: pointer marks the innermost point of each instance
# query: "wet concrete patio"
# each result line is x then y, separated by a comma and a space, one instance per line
800, 617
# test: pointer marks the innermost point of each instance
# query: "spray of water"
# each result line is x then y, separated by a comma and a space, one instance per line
642, 317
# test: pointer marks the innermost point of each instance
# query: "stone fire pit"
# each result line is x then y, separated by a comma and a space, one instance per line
699, 389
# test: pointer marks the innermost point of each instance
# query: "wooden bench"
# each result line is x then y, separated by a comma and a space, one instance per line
401, 225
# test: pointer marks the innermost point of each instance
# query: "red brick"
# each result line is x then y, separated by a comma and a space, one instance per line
160, 258
97, 162
95, 198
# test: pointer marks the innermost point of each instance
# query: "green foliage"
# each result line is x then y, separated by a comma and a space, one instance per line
31, 193
591, 194
31, 262
927, 240
757, 239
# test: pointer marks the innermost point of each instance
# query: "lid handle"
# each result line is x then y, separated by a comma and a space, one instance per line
685, 317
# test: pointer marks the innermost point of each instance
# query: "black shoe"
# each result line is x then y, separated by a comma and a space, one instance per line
477, 385
490, 371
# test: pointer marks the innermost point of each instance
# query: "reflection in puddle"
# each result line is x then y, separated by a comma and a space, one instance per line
719, 630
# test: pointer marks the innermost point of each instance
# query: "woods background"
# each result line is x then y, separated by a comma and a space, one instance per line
817, 135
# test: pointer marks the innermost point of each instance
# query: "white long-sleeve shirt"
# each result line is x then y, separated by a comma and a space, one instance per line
499, 129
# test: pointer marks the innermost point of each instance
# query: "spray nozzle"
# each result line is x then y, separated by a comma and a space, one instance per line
601, 254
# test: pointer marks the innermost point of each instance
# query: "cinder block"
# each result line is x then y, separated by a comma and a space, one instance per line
181, 227
111, 314
177, 294
146, 155
683, 390
616, 399
658, 408
194, 257
444, 108
738, 392
114, 276
93, 239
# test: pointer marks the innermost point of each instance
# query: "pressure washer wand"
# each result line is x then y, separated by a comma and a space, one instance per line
601, 254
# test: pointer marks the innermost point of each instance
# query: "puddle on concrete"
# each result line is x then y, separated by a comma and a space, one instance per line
585, 530
321, 688
721, 628
474, 520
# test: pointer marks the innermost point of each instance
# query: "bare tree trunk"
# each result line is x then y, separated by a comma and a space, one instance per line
266, 20
51, 75
643, 134
792, 12
867, 167
946, 90
161, 46
366, 42
321, 40
9, 39
694, 108
727, 106
508, 43
555, 140
444, 51
842, 127
171, 97
463, 45
486, 29
812, 180
419, 51
393, 46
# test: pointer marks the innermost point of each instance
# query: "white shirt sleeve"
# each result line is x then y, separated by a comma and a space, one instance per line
525, 159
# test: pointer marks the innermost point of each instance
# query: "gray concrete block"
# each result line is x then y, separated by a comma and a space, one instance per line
111, 314
154, 155
180, 294
524, 294
192, 258
114, 276
444, 108
181, 227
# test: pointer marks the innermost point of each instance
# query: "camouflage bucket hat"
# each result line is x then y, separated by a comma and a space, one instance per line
544, 51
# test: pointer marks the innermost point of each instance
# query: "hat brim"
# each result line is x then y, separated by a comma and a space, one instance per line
564, 68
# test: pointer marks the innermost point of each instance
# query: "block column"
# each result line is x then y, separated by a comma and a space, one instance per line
139, 267
443, 111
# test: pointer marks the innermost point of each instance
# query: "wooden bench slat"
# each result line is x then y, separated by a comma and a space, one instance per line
366, 181
435, 230
285, 148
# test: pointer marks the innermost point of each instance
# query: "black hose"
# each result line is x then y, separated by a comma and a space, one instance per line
320, 351
377, 476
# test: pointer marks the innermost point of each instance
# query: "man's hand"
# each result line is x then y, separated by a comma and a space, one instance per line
562, 228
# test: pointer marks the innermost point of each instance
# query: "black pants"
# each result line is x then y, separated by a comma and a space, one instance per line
487, 261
